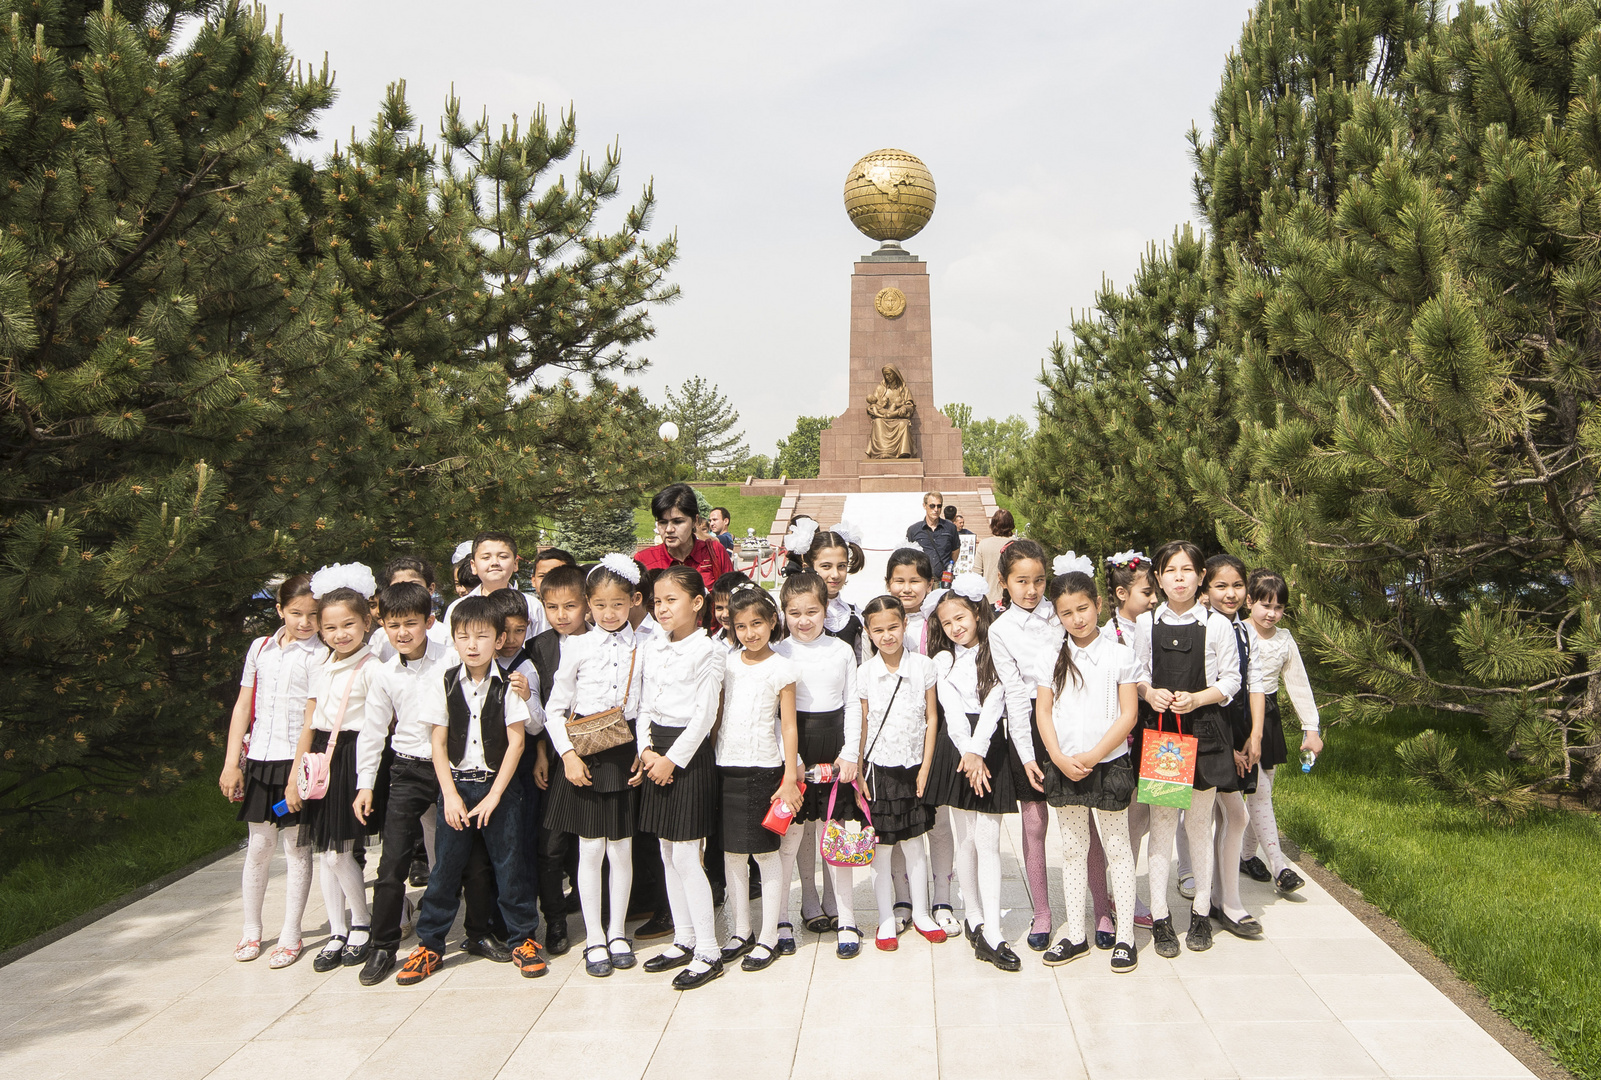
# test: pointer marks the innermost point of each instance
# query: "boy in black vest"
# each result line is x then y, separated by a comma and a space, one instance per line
477, 741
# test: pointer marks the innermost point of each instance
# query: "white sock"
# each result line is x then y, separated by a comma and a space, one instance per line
1119, 869
620, 858
789, 846
965, 860
591, 854
1075, 827
297, 886
677, 900
1265, 822
942, 855
1198, 828
768, 864
843, 880
697, 892
885, 875
987, 848
1159, 855
262, 840
1226, 878
806, 866
736, 902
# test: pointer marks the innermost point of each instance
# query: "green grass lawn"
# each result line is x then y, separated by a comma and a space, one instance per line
1514, 910
755, 512
52, 874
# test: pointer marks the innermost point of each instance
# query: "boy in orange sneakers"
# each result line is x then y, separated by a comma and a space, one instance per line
477, 741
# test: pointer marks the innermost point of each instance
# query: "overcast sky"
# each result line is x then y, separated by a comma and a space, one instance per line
1055, 133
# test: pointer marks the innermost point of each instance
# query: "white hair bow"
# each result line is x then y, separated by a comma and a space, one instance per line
343, 576
798, 539
970, 586
849, 532
621, 565
1127, 558
1066, 564
463, 550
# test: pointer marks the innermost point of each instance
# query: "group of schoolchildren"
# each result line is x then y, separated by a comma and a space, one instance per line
933, 712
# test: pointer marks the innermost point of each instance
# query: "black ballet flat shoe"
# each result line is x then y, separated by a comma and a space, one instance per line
1000, 955
1288, 880
1163, 937
786, 942
1125, 958
1039, 942
380, 962
1255, 869
624, 958
1247, 928
676, 957
1065, 952
557, 943
356, 955
1199, 939
328, 959
689, 980
818, 924
849, 950
490, 948
760, 957
597, 961
733, 951
1105, 939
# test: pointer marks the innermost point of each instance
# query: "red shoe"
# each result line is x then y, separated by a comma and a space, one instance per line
888, 944
529, 962
422, 963
936, 936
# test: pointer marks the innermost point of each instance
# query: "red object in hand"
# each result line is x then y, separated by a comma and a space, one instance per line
779, 817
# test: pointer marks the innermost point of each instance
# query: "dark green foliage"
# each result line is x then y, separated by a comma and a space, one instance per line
707, 440
987, 444
799, 455
597, 533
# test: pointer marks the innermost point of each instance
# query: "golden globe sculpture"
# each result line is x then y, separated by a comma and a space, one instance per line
889, 195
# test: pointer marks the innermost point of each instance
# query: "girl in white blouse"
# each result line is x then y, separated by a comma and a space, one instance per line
1024, 641
592, 797
682, 682
900, 722
338, 702
1086, 712
1131, 580
271, 710
756, 755
971, 771
1275, 660
825, 681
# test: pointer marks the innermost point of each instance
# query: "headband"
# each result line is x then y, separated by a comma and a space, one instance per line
1130, 558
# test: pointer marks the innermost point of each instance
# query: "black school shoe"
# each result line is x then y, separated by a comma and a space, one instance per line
676, 957
1288, 880
417, 878
1105, 939
689, 980
1255, 869
1163, 937
380, 962
1065, 952
1125, 958
759, 958
328, 959
1039, 942
786, 942
356, 955
1199, 939
1000, 955
557, 943
659, 926
489, 948
733, 951
1247, 928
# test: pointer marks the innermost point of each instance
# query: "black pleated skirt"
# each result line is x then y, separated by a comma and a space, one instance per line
898, 813
1020, 786
607, 808
747, 796
331, 820
948, 787
822, 737
265, 783
1108, 787
1275, 751
687, 808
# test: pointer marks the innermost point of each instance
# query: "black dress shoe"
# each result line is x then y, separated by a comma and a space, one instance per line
1164, 938
1247, 927
380, 962
659, 926
1288, 880
761, 956
786, 943
689, 980
557, 943
1199, 939
1255, 869
1125, 958
418, 877
327, 959
1039, 942
1105, 939
737, 947
1065, 952
1000, 955
674, 957
489, 948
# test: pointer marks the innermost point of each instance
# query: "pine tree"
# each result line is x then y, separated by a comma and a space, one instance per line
707, 440
1143, 383
592, 535
222, 363
800, 455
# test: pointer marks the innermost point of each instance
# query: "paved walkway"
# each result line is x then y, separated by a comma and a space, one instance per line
152, 991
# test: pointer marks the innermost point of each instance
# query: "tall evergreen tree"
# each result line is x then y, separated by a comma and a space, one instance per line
220, 363
707, 440
801, 454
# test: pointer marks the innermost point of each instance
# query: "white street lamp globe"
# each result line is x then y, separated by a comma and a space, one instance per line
668, 431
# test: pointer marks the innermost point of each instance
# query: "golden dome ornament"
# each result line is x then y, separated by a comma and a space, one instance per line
889, 195
890, 302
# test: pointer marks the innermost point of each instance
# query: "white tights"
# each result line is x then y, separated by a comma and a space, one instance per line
1198, 826
941, 853
1139, 826
799, 848
885, 881
342, 886
592, 851
1075, 823
978, 867
736, 869
1226, 879
1263, 827
264, 837
689, 896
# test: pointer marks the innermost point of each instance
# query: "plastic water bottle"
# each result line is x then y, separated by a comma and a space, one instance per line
822, 774
1308, 759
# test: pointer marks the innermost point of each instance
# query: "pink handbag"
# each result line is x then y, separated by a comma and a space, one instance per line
312, 780
848, 847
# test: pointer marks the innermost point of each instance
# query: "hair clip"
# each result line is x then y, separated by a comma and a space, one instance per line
1066, 564
621, 565
343, 576
970, 586
464, 550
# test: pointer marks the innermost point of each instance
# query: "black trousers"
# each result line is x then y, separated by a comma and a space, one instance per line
414, 791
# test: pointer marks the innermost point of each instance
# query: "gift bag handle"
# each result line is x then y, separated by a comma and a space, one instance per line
1178, 722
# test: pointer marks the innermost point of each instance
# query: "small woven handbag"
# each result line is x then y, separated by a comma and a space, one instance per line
603, 730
